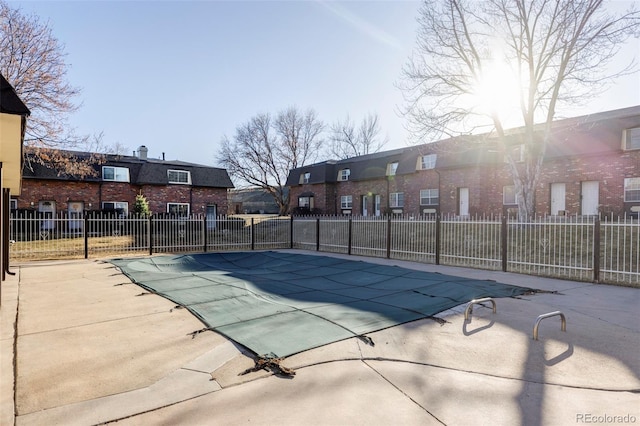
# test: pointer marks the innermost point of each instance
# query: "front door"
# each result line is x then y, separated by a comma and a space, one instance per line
463, 196
376, 205
47, 211
75, 216
590, 198
211, 216
558, 191
365, 201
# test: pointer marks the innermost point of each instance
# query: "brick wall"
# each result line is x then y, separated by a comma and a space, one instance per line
203, 197
324, 196
116, 192
93, 194
61, 192
608, 170
486, 184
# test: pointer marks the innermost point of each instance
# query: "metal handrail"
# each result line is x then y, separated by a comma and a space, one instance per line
563, 324
469, 309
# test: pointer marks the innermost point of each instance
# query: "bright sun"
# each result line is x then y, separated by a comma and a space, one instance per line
498, 91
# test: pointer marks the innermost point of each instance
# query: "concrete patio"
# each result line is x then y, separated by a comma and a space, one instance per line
82, 345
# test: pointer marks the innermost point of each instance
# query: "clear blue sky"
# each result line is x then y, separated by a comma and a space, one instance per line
177, 76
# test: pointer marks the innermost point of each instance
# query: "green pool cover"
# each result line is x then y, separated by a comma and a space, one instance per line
278, 304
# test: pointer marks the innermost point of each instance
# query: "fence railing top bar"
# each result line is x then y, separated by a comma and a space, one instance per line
65, 215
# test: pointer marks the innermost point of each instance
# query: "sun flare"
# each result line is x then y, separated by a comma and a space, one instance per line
498, 90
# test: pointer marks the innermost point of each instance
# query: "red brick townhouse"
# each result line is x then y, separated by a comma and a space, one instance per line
173, 187
591, 166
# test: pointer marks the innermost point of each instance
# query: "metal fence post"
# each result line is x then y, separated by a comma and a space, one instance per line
438, 239
350, 236
149, 234
291, 232
503, 243
253, 236
389, 237
204, 233
596, 250
85, 228
318, 234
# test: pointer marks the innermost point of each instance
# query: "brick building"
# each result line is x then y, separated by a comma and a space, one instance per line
173, 187
591, 166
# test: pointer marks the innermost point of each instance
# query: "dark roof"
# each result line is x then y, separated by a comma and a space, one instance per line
252, 195
10, 102
141, 172
374, 166
585, 135
592, 134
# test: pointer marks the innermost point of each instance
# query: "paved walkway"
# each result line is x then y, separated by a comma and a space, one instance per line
92, 348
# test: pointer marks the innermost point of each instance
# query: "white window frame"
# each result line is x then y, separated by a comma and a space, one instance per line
305, 177
120, 174
13, 204
344, 174
186, 173
632, 185
517, 151
117, 205
428, 162
392, 168
432, 197
509, 194
346, 202
396, 200
306, 204
179, 204
632, 139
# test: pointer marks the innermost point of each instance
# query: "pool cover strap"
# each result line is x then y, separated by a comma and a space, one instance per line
281, 303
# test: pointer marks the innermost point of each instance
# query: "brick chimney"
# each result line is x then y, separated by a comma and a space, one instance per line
142, 152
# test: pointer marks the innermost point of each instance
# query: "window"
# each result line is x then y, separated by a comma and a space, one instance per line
396, 199
632, 138
509, 196
179, 176
305, 202
178, 209
115, 174
346, 202
344, 174
119, 206
13, 204
428, 162
517, 152
392, 168
429, 197
304, 178
632, 189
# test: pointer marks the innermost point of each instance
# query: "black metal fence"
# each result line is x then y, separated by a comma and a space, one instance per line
583, 248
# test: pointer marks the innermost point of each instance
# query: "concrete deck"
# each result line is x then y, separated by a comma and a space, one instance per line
82, 345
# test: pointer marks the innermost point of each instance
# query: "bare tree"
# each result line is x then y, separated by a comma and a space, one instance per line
554, 50
348, 141
300, 136
263, 150
33, 61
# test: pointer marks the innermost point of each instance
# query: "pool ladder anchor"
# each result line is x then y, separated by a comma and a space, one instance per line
563, 322
469, 309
